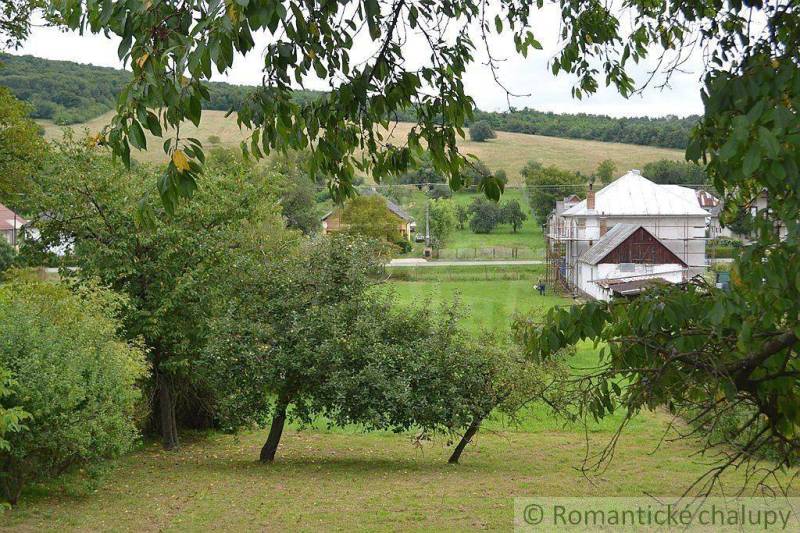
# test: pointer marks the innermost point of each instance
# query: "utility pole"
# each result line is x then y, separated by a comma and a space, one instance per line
427, 224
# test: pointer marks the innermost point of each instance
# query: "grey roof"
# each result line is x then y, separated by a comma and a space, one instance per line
393, 207
613, 238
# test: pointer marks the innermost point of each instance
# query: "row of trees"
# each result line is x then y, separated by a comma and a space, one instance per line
669, 132
484, 215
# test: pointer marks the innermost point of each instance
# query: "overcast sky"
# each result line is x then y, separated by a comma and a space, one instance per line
529, 76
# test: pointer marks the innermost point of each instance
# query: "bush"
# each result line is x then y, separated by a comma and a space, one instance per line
481, 131
66, 367
214, 139
403, 245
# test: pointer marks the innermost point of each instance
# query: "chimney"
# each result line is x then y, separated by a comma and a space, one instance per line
603, 226
590, 197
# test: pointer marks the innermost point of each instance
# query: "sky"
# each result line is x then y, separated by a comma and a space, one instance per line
530, 77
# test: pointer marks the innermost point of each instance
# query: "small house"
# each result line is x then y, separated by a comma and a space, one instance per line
332, 221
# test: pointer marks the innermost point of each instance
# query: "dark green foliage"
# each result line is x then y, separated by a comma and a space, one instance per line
675, 172
161, 265
7, 255
440, 191
422, 173
62, 363
605, 171
669, 132
462, 215
512, 213
548, 184
481, 131
69, 93
485, 215
15, 21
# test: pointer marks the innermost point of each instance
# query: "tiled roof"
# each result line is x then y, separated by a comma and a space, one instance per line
8, 219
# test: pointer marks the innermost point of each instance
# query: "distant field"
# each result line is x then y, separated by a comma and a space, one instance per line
509, 151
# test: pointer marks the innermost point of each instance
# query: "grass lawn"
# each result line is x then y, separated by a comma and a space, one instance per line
509, 151
328, 480
487, 304
343, 479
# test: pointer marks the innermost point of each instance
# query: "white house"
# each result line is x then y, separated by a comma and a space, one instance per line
624, 261
668, 214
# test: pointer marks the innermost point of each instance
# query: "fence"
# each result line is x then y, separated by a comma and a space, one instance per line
495, 252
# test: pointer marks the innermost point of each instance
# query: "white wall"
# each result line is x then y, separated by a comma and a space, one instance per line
587, 275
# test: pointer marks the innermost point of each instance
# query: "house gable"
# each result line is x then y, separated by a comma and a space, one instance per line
641, 247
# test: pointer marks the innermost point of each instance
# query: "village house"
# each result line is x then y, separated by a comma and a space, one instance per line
759, 206
332, 221
11, 226
632, 231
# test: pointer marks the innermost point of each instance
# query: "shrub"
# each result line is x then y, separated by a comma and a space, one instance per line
68, 369
481, 131
214, 139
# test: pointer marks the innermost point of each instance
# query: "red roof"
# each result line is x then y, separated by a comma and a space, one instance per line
8, 218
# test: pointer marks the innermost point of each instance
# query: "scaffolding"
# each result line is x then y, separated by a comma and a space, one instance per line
564, 245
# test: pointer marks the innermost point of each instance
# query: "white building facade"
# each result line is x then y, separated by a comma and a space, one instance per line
668, 213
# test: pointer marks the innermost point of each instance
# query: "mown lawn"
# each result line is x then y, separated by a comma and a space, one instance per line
350, 481
486, 305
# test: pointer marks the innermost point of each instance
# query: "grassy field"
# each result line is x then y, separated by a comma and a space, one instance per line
509, 151
487, 304
343, 479
528, 239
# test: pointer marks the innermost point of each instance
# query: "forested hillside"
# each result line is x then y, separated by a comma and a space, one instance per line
70, 93
667, 132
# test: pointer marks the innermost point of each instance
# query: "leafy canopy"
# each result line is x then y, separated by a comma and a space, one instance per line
21, 148
546, 185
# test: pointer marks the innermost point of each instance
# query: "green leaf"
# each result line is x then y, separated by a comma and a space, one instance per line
136, 135
752, 159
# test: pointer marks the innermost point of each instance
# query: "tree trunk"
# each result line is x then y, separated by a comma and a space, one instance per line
471, 430
275, 432
166, 408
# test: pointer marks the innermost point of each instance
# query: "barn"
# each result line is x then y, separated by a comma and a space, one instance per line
626, 260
